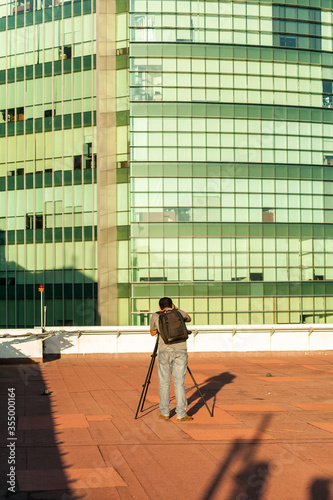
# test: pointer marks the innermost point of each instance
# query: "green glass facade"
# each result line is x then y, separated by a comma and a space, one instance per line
231, 160
48, 206
212, 123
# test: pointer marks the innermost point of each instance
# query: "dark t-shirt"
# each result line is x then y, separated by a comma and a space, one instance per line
154, 321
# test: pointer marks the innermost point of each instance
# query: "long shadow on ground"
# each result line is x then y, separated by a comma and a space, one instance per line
251, 480
23, 474
209, 390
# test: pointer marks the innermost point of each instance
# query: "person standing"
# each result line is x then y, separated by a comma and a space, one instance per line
172, 360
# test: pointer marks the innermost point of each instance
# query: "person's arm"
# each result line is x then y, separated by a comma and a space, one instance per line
153, 325
187, 319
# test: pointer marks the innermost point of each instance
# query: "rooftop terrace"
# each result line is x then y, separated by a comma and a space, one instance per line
270, 437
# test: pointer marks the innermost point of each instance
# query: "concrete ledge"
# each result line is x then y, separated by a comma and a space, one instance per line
56, 341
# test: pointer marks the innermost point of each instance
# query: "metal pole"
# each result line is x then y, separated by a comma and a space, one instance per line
147, 381
41, 290
41, 309
203, 399
150, 371
44, 316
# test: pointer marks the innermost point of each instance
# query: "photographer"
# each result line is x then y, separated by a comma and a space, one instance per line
172, 359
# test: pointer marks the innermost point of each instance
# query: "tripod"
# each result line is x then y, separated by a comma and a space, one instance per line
148, 378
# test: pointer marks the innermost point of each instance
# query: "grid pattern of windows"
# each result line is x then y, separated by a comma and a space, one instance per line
231, 160
224, 80
230, 140
231, 200
245, 23
48, 203
232, 259
297, 27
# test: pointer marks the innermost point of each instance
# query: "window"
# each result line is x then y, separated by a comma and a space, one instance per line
256, 276
34, 221
297, 27
327, 94
19, 114
10, 115
19, 9
144, 318
122, 164
78, 162
288, 41
65, 52
29, 221
328, 160
39, 221
49, 3
18, 171
268, 214
87, 151
123, 51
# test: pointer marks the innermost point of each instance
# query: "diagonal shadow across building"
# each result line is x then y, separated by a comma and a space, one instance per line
70, 297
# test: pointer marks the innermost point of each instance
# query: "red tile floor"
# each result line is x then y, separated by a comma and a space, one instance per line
270, 438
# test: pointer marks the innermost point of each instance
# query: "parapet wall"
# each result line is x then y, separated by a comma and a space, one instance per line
35, 343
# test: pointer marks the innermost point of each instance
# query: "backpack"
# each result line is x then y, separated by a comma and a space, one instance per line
172, 326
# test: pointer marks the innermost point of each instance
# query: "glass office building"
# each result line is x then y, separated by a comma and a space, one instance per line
231, 163
212, 123
48, 209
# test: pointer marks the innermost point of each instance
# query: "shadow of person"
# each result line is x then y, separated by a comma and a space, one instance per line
209, 390
320, 489
56, 344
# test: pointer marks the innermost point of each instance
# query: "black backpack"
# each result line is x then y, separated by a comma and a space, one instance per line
171, 326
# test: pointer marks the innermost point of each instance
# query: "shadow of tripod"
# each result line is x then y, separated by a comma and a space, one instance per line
209, 389
148, 378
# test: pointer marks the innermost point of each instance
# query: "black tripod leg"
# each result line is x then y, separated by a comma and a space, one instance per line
151, 367
147, 381
203, 399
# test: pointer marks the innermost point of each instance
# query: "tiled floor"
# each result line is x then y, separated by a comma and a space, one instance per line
270, 438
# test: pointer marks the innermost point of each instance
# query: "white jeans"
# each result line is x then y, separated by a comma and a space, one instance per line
172, 361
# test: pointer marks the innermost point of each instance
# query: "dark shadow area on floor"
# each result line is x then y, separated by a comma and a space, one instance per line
31, 465
320, 489
251, 479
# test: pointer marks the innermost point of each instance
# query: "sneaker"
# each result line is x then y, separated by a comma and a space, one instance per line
187, 418
163, 417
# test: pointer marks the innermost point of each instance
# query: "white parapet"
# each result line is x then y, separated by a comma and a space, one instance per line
34, 343
21, 343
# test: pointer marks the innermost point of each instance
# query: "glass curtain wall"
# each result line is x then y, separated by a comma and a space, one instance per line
47, 162
123, 163
231, 127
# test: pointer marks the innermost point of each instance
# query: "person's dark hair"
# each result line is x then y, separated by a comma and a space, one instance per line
165, 302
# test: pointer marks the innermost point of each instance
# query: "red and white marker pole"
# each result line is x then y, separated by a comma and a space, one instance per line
41, 289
